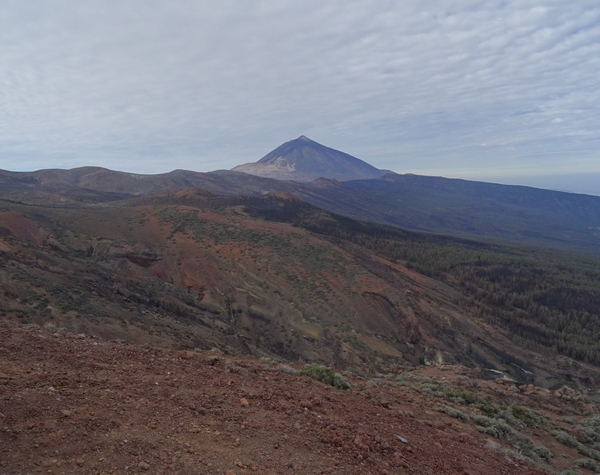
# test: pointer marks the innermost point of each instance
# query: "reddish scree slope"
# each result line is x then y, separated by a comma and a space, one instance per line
76, 404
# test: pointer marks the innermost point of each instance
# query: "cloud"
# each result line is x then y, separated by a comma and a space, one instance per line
151, 86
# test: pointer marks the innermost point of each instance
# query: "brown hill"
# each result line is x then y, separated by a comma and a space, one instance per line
74, 404
193, 270
432, 204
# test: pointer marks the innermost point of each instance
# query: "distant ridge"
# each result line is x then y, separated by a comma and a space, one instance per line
419, 203
304, 159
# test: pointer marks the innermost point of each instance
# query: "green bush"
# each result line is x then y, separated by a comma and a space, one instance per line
587, 463
527, 416
542, 453
325, 375
570, 441
283, 368
459, 396
499, 429
456, 413
565, 438
591, 428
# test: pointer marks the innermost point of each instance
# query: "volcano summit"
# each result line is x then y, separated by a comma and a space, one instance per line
306, 160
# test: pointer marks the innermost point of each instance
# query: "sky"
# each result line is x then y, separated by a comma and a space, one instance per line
501, 91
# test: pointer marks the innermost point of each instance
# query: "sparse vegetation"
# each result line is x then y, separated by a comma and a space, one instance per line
525, 415
287, 369
587, 463
459, 396
570, 441
499, 429
590, 428
325, 375
542, 453
548, 300
456, 413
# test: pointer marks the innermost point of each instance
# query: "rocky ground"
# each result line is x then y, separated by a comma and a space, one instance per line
77, 404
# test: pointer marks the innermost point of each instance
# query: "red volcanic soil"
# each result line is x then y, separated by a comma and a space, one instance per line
76, 404
22, 227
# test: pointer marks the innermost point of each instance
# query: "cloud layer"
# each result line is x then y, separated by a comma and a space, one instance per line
461, 86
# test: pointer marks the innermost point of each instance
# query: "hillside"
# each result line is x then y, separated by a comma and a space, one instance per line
74, 404
484, 352
545, 300
195, 270
466, 208
274, 276
438, 205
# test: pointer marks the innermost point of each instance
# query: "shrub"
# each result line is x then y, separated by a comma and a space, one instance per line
508, 416
542, 452
569, 441
419, 378
283, 368
501, 430
486, 407
459, 396
591, 428
456, 413
517, 454
567, 419
587, 463
565, 438
325, 375
527, 416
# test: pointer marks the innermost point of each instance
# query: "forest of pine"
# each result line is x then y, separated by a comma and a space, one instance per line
548, 300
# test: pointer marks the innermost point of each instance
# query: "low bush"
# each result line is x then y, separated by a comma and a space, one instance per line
527, 416
591, 428
564, 438
456, 413
325, 375
587, 463
283, 368
542, 453
500, 429
459, 396
570, 441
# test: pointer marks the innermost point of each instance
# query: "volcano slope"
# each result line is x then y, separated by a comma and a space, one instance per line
71, 403
263, 277
192, 270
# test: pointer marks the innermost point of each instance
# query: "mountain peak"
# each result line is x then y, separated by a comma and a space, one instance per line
304, 159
